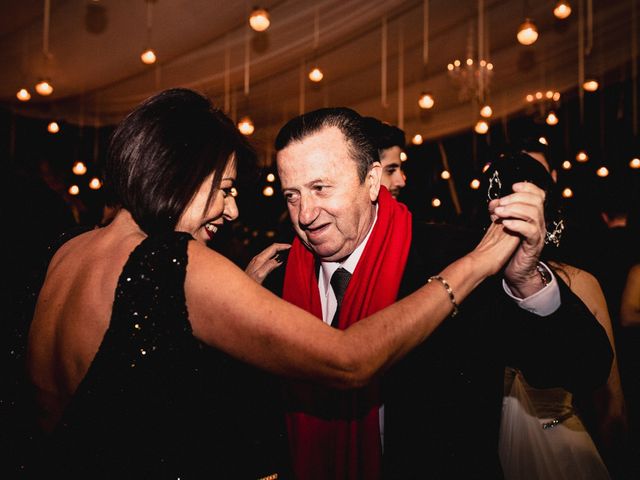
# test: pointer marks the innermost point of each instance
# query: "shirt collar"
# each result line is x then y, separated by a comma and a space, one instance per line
327, 269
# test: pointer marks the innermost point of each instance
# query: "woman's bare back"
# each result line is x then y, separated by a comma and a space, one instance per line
73, 313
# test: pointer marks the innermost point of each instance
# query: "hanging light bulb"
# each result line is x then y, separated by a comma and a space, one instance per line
486, 111
562, 9
481, 127
435, 202
259, 19
556, 96
552, 119
23, 95
590, 85
79, 168
475, 184
426, 100
486, 167
53, 127
634, 163
268, 191
417, 139
602, 172
567, 193
271, 177
44, 88
529, 98
74, 190
148, 57
316, 75
527, 33
95, 183
403, 157
543, 141
445, 175
582, 156
245, 125
566, 165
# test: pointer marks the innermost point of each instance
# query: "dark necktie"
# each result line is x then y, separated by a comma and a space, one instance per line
339, 281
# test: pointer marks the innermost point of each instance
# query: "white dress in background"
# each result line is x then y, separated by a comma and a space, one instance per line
562, 450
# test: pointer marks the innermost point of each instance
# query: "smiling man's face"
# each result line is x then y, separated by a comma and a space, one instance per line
330, 208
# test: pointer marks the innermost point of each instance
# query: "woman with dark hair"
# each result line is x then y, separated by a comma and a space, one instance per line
128, 346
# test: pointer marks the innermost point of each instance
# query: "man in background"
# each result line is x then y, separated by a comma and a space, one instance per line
389, 140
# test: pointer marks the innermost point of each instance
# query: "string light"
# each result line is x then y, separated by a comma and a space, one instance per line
486, 167
426, 101
316, 75
403, 157
435, 202
245, 125
552, 119
481, 127
53, 127
543, 141
74, 190
271, 177
259, 19
582, 156
475, 184
562, 9
566, 165
79, 168
268, 191
527, 33
44, 88
529, 98
148, 57
95, 183
486, 111
23, 95
602, 172
445, 175
567, 193
634, 163
417, 139
590, 85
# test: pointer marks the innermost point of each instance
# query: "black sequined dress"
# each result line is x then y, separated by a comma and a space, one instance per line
158, 403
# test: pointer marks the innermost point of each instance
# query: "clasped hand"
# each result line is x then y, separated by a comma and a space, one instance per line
522, 214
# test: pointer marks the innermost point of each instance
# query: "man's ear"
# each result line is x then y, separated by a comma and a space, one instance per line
373, 180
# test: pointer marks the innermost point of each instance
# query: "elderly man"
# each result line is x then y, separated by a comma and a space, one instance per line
389, 140
357, 251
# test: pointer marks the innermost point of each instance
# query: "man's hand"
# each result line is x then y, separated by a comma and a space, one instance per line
522, 213
266, 261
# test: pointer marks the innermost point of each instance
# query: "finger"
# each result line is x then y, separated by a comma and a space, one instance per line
529, 232
521, 211
528, 187
532, 198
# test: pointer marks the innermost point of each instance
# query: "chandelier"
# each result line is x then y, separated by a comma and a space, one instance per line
471, 78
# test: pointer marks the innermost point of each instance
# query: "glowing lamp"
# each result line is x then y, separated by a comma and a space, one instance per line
259, 19
74, 190
79, 168
475, 184
245, 125
417, 139
403, 157
481, 127
602, 172
53, 127
316, 75
634, 163
552, 119
95, 183
566, 165
562, 9
486, 111
23, 95
445, 175
148, 57
44, 88
426, 101
527, 33
268, 191
590, 85
567, 193
435, 202
271, 177
582, 156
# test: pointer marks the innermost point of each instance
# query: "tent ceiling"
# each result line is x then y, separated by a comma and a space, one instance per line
98, 77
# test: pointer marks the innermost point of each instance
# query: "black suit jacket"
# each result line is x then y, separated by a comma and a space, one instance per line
443, 401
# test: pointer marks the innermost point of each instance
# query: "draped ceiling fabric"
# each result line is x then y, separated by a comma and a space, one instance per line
98, 77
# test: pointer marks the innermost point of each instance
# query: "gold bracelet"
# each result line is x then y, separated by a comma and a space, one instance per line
447, 287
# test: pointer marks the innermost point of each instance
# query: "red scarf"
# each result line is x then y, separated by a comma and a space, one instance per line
335, 434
